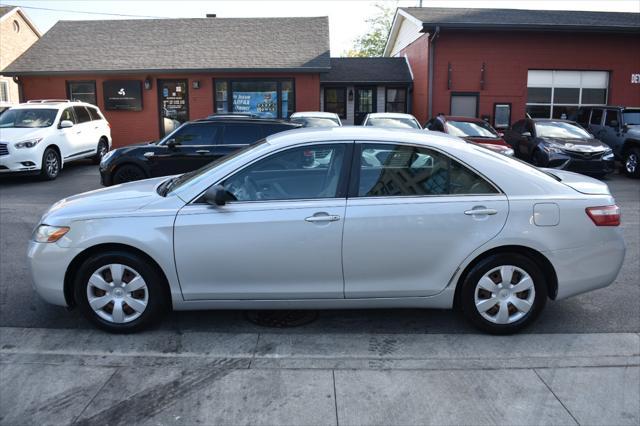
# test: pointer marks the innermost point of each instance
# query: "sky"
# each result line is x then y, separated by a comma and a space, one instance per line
347, 18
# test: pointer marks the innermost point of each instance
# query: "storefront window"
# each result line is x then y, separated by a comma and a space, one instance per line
267, 99
222, 104
396, 100
84, 91
335, 100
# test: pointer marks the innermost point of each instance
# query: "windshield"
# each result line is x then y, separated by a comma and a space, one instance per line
404, 123
631, 117
172, 184
560, 129
316, 121
36, 117
473, 129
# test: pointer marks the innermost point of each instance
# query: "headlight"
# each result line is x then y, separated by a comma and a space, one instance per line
106, 157
49, 234
29, 143
608, 155
553, 148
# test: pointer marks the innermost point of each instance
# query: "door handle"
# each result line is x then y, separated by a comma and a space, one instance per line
323, 218
481, 211
202, 151
77, 133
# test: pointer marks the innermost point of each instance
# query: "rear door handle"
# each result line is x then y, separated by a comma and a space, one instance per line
323, 218
202, 151
482, 211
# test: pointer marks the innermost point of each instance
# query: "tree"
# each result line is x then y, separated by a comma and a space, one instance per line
372, 43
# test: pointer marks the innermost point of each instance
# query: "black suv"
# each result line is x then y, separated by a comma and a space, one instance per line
187, 148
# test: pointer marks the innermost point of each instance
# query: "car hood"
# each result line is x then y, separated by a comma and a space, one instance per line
105, 202
578, 145
580, 183
17, 134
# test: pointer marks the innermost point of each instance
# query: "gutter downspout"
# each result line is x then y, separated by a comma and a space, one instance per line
432, 49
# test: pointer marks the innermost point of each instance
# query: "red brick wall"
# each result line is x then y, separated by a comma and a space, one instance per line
129, 127
509, 55
418, 55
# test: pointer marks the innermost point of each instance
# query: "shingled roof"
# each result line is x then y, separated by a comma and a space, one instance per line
460, 18
367, 70
166, 45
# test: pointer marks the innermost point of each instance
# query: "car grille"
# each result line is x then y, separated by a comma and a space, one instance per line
586, 155
3, 149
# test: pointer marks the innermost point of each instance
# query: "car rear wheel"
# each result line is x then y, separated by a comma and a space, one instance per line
120, 292
503, 293
50, 164
101, 150
630, 165
128, 173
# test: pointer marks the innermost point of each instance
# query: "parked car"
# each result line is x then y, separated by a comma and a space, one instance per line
41, 136
436, 223
618, 127
187, 148
391, 119
560, 144
316, 119
473, 130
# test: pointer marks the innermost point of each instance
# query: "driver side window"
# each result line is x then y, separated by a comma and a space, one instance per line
308, 172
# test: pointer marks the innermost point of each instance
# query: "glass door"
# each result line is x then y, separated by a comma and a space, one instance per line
365, 103
173, 100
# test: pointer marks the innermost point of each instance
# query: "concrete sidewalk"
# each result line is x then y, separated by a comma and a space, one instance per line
51, 376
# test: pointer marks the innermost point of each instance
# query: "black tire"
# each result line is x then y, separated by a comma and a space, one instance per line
101, 150
51, 164
468, 292
128, 173
156, 286
631, 162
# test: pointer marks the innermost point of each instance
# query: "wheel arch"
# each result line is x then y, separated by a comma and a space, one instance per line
57, 149
84, 255
630, 143
540, 259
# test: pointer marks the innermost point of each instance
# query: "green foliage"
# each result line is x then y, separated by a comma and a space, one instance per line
372, 43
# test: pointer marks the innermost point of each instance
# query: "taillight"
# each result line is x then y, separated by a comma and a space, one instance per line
604, 215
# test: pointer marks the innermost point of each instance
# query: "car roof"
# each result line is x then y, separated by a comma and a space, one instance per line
248, 120
54, 104
389, 115
316, 114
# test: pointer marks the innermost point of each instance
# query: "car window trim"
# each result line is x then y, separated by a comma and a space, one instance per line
355, 174
341, 193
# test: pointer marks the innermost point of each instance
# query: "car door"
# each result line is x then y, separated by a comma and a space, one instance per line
191, 147
595, 122
412, 217
280, 237
87, 139
69, 139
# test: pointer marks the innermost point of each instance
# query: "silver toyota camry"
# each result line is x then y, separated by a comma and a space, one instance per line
349, 217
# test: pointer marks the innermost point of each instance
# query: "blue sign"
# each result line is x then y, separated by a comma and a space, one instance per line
264, 104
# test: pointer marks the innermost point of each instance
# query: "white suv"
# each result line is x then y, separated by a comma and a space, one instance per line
40, 136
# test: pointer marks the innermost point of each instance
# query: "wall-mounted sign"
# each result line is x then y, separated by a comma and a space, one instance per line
635, 78
123, 95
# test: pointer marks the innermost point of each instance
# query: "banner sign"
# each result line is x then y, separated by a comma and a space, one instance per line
264, 104
123, 95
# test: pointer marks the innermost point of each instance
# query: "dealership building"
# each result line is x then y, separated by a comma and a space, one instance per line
148, 76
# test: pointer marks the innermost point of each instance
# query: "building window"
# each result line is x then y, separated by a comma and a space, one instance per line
335, 100
16, 26
559, 94
396, 99
265, 98
464, 104
84, 91
501, 116
4, 91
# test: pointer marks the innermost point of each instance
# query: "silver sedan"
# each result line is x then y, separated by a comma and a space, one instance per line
350, 217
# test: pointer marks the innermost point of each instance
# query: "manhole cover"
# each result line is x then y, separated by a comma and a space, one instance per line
281, 319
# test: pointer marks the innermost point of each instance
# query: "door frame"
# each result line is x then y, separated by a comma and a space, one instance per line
356, 99
159, 83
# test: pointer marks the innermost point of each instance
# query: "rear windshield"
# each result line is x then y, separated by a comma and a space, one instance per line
404, 123
36, 117
473, 129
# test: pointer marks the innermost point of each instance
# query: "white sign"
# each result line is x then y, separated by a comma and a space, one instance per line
635, 78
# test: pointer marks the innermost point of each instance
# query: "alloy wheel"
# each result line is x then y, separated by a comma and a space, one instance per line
51, 164
505, 294
631, 164
117, 293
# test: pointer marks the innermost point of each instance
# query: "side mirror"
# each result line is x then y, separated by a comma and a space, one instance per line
65, 124
216, 196
501, 134
526, 134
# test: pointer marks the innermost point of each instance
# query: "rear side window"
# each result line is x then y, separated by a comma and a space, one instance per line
197, 134
596, 117
82, 114
240, 134
95, 115
67, 114
401, 170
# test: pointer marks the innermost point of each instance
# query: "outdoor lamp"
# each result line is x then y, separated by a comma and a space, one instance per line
147, 83
195, 84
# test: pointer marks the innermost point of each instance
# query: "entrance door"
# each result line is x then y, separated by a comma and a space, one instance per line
464, 105
365, 103
173, 104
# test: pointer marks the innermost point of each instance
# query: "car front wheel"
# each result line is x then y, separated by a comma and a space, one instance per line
50, 164
120, 292
128, 173
630, 165
503, 293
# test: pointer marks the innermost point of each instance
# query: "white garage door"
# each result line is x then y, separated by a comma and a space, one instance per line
558, 94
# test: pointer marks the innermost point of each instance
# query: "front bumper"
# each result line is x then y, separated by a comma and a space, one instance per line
582, 163
21, 160
48, 264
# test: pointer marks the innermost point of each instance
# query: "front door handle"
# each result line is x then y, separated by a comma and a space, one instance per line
202, 151
323, 217
480, 211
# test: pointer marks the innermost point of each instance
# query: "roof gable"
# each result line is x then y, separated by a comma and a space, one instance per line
200, 44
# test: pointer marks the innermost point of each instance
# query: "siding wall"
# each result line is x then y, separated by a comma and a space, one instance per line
12, 45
